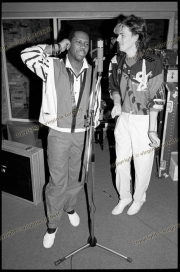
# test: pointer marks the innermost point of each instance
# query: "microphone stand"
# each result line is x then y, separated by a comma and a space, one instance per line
92, 241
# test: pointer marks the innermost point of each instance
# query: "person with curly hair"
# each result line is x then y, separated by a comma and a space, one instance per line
137, 89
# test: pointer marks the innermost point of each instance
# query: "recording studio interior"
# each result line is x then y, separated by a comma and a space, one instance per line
146, 240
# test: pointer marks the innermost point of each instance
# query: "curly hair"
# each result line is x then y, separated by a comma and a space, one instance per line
78, 27
137, 25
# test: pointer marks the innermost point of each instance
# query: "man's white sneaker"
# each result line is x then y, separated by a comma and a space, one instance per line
48, 240
74, 219
121, 205
135, 208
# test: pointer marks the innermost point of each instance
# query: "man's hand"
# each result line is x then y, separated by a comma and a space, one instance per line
65, 45
154, 139
116, 111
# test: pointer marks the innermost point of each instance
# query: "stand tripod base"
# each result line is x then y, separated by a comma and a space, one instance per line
91, 243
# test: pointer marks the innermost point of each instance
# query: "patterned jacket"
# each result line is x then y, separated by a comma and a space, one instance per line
57, 111
140, 86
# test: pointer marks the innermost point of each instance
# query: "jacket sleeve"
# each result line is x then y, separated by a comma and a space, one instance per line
36, 60
113, 79
156, 87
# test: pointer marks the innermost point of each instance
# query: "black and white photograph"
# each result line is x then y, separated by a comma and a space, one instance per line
89, 135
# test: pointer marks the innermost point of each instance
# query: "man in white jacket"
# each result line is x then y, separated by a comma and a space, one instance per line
66, 92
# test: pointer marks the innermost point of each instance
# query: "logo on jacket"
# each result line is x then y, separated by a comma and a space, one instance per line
142, 80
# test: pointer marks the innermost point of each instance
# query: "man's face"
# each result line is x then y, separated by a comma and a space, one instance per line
79, 46
125, 39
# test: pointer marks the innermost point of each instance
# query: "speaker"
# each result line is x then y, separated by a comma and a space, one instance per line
22, 171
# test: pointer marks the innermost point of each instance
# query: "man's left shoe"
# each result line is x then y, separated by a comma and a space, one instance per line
135, 208
74, 219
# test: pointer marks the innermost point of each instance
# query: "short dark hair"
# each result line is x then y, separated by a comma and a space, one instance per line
78, 27
137, 25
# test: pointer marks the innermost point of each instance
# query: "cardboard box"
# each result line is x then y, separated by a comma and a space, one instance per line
173, 169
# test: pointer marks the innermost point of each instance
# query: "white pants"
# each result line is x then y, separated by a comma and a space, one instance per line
131, 136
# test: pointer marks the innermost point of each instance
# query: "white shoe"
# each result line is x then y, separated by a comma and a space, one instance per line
121, 205
135, 208
74, 219
48, 240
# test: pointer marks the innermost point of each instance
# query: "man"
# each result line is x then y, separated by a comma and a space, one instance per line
136, 87
66, 91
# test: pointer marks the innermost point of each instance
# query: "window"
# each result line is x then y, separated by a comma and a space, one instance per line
25, 88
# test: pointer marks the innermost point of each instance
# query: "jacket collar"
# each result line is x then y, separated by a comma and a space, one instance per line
68, 64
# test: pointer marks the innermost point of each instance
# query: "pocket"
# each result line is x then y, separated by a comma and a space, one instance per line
117, 122
50, 119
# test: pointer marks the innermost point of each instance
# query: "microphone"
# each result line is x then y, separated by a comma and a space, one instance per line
100, 56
